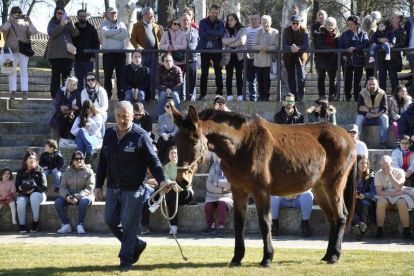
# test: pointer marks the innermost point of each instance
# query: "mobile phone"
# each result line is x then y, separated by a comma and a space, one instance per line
64, 16
21, 16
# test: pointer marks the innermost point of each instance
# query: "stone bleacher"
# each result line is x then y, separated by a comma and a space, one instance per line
24, 124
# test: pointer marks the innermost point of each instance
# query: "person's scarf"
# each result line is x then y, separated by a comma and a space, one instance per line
93, 93
135, 67
330, 40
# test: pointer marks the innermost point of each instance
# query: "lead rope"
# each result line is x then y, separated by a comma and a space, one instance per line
162, 202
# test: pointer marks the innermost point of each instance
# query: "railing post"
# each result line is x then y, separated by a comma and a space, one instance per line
375, 66
244, 75
338, 76
187, 76
154, 63
279, 77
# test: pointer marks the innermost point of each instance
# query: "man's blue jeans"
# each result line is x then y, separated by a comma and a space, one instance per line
141, 96
251, 78
125, 207
304, 202
85, 142
162, 98
81, 69
381, 120
56, 177
83, 208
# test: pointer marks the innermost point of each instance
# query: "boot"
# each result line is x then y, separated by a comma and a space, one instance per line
380, 233
12, 95
24, 95
407, 233
275, 227
306, 229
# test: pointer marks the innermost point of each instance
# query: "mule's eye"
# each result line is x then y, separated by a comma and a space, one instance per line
195, 137
195, 143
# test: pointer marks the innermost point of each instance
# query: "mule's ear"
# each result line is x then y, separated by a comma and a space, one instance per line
178, 117
193, 115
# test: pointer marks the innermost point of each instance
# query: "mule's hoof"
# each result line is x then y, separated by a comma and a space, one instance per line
332, 262
265, 264
233, 264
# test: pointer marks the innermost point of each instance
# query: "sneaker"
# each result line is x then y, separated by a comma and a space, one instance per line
34, 226
124, 267
371, 59
221, 232
145, 230
23, 229
56, 190
138, 251
229, 98
387, 57
12, 95
363, 227
357, 232
306, 229
380, 233
240, 98
80, 229
173, 230
209, 230
24, 96
201, 98
275, 227
382, 145
65, 228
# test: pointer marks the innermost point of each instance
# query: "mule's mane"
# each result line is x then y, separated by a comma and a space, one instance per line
233, 119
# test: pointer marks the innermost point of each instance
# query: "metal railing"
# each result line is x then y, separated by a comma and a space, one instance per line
278, 54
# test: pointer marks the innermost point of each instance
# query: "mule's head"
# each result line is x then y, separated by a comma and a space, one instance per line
191, 144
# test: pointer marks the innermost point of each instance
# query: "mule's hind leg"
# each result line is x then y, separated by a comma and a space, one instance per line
262, 201
240, 209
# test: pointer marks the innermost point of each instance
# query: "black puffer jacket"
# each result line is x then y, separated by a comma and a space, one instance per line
406, 122
87, 39
51, 160
282, 118
37, 174
329, 60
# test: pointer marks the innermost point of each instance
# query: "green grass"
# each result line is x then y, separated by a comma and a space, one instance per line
22, 259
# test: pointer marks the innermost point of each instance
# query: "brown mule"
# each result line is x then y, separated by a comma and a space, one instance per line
266, 159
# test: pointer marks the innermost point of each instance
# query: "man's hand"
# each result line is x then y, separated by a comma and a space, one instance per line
27, 19
165, 136
92, 59
402, 192
351, 50
98, 194
345, 58
294, 48
363, 108
139, 48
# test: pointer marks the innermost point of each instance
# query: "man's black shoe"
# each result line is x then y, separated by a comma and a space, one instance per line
138, 251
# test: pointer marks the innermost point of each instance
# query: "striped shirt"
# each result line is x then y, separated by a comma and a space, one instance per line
251, 35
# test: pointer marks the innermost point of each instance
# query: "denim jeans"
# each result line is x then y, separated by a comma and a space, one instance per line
162, 98
205, 67
151, 61
384, 45
56, 177
35, 199
296, 71
193, 66
81, 69
124, 207
304, 202
263, 82
111, 62
381, 120
141, 96
251, 79
83, 208
85, 142
383, 67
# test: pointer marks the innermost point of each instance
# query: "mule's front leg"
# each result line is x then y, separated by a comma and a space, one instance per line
240, 209
263, 211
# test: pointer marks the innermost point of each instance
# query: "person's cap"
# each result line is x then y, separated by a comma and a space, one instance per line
111, 10
219, 99
296, 18
352, 128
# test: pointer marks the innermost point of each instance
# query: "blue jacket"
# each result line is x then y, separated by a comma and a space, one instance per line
357, 58
387, 33
124, 163
406, 122
210, 32
408, 26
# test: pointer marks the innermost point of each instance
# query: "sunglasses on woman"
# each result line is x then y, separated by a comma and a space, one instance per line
78, 158
91, 79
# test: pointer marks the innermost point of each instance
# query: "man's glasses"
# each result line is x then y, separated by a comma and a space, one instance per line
93, 79
176, 24
78, 159
138, 115
295, 23
289, 102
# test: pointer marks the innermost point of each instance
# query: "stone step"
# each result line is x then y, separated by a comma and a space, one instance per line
191, 219
23, 140
7, 128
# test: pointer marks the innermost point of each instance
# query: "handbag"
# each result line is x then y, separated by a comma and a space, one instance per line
225, 60
25, 48
177, 55
27, 185
69, 46
7, 62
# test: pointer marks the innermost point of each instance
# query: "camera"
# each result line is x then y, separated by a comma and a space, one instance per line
21, 16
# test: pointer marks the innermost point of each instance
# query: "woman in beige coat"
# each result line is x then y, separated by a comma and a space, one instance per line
234, 38
76, 187
14, 30
178, 41
266, 41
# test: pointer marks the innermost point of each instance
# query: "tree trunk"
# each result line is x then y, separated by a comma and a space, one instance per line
127, 13
163, 12
5, 10
315, 10
62, 3
262, 6
181, 5
106, 4
29, 11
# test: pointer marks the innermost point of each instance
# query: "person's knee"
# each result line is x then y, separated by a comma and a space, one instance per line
402, 204
59, 201
382, 203
306, 197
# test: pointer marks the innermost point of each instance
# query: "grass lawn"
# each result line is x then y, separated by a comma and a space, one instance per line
22, 259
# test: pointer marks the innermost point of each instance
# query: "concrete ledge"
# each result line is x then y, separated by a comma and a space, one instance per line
191, 219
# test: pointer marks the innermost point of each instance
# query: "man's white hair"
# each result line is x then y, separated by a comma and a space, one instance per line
125, 105
145, 10
266, 17
69, 80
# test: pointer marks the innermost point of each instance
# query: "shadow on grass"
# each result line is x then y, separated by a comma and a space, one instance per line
108, 269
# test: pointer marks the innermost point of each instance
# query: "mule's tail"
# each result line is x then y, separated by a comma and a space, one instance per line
350, 193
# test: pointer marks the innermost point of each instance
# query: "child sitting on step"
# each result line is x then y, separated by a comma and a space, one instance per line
8, 191
52, 161
384, 31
